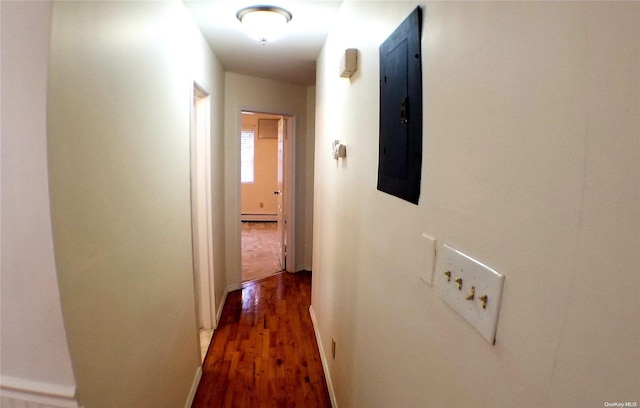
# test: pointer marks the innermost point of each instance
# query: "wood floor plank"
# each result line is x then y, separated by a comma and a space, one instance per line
264, 352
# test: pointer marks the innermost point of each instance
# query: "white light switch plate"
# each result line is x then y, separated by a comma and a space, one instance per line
474, 274
428, 261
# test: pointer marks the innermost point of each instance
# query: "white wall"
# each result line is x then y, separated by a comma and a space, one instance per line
34, 351
262, 95
530, 165
120, 89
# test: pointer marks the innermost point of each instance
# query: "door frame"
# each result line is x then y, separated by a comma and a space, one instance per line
201, 208
289, 184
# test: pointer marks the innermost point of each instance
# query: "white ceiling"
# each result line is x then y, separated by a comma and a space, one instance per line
292, 58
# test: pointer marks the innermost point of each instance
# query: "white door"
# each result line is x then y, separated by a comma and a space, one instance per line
280, 192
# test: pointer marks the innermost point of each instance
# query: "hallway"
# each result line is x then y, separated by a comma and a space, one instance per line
264, 350
530, 165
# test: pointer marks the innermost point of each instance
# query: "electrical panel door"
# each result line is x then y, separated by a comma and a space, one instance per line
400, 154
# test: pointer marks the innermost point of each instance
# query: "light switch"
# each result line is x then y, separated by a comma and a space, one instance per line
472, 289
428, 261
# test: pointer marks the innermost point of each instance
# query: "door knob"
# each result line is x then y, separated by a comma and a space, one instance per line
277, 192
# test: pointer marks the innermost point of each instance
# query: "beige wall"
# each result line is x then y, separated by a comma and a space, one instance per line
120, 85
265, 171
262, 95
530, 165
34, 348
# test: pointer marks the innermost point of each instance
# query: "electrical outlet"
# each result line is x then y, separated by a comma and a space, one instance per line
472, 289
261, 205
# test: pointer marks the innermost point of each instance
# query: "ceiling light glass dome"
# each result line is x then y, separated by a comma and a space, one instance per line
264, 23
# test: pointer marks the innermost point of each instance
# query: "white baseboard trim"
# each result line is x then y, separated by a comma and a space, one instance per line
16, 392
323, 358
228, 289
219, 311
234, 286
194, 387
259, 217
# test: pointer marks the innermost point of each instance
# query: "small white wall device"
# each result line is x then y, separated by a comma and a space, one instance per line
338, 150
349, 62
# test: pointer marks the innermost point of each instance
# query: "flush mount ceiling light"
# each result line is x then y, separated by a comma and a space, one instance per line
264, 23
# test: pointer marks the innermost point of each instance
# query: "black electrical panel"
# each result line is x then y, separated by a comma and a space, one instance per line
400, 155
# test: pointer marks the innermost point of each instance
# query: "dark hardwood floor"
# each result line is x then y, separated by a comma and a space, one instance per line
264, 351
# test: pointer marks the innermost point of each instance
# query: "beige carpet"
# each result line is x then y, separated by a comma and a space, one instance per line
259, 250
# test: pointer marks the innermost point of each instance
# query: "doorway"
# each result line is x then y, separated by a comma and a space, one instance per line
201, 222
263, 210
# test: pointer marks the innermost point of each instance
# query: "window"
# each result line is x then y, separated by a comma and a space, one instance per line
246, 156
